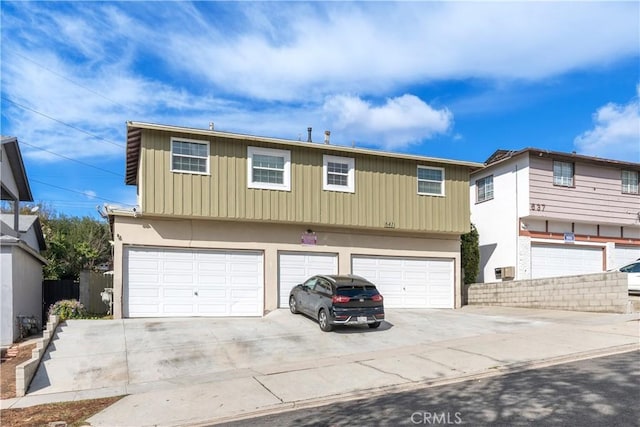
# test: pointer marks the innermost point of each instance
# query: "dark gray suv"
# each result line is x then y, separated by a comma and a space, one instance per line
338, 300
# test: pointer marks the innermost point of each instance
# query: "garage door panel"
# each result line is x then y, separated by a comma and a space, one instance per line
178, 279
178, 309
144, 309
390, 275
191, 282
213, 309
409, 282
564, 260
211, 268
212, 279
147, 264
176, 255
215, 293
416, 277
178, 265
244, 294
295, 267
624, 255
142, 278
144, 293
239, 283
237, 309
393, 301
177, 293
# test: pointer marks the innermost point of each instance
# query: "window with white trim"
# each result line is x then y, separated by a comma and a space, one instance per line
563, 174
630, 182
430, 181
190, 156
484, 189
338, 174
268, 168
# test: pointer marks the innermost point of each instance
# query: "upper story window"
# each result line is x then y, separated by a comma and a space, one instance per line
630, 182
268, 168
484, 188
563, 174
430, 181
338, 174
188, 155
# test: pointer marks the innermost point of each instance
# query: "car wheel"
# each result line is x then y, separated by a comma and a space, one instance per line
323, 321
374, 325
293, 305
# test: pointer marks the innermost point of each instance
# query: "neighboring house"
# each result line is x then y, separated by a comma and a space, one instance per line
545, 214
227, 224
21, 241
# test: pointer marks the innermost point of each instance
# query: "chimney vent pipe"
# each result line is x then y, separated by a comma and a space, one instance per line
309, 132
326, 136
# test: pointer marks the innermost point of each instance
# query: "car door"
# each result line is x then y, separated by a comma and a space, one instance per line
320, 296
305, 295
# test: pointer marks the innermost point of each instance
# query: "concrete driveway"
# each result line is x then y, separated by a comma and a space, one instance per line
136, 355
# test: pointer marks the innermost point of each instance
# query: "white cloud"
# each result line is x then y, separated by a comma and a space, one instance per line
616, 132
378, 47
274, 69
84, 116
90, 194
395, 124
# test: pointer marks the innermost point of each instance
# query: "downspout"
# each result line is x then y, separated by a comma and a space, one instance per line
517, 251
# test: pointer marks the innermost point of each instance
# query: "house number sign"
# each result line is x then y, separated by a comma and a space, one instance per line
538, 207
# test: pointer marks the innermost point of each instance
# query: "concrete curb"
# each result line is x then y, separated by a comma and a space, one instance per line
418, 385
25, 371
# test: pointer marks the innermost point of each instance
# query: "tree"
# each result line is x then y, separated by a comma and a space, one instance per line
470, 254
75, 244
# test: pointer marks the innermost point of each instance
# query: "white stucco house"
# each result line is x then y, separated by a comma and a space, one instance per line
546, 214
21, 241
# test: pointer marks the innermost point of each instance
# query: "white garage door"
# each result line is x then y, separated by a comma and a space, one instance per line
296, 267
625, 255
409, 282
186, 282
559, 260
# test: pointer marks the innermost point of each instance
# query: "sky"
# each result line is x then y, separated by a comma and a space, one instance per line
452, 80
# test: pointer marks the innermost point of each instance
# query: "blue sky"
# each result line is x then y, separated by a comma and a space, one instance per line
452, 80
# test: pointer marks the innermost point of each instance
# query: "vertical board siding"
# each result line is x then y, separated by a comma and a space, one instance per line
385, 189
596, 196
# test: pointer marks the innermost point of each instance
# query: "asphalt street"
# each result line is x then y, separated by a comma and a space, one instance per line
595, 392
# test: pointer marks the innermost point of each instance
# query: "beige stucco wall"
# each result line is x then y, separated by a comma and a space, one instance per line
271, 239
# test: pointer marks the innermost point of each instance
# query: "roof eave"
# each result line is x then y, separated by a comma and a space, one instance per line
20, 175
572, 157
133, 147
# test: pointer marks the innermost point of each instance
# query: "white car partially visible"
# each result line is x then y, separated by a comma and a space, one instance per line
633, 275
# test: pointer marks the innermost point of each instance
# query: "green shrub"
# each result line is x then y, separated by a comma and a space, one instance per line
68, 309
470, 253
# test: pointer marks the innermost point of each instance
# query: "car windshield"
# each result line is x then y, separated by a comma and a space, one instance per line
357, 290
631, 268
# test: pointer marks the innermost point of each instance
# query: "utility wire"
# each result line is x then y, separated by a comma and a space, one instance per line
67, 79
78, 192
72, 160
61, 122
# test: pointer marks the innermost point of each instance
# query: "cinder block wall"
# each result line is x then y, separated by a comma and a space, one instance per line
599, 292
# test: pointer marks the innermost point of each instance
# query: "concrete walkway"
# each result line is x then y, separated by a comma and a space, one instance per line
197, 371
